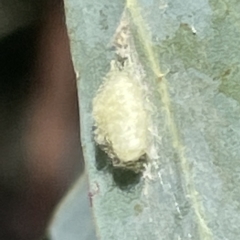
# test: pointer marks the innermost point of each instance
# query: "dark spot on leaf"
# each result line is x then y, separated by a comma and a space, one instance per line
125, 178
102, 159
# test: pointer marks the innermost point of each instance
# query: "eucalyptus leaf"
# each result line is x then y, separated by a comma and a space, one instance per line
189, 54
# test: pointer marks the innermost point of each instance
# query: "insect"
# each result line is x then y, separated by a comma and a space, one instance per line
120, 119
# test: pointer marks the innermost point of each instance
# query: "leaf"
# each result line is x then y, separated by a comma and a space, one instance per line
188, 52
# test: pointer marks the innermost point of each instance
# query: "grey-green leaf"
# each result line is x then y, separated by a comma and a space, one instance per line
189, 52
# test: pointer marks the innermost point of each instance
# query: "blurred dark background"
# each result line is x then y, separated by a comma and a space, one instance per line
40, 153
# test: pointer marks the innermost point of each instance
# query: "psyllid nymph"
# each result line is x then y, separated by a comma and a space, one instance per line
120, 119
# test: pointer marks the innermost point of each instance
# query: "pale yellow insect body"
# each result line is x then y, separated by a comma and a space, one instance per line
120, 119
